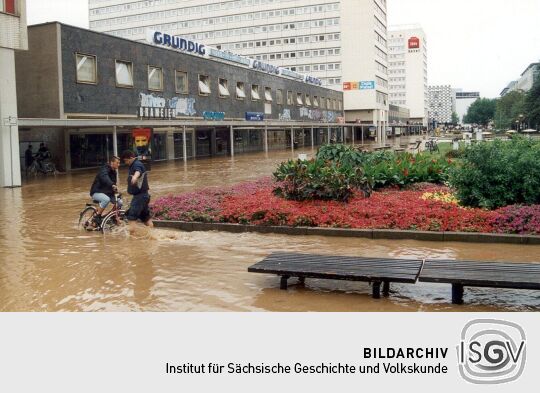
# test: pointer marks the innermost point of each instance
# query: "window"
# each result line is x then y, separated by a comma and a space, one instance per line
279, 97
224, 88
289, 98
204, 85
7, 6
255, 96
155, 78
315, 101
323, 103
328, 104
124, 74
268, 94
86, 69
181, 78
240, 90
308, 100
299, 99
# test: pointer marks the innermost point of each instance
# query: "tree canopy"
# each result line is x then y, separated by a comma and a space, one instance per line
482, 111
532, 104
509, 108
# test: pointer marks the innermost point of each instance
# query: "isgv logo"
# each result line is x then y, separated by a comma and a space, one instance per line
492, 351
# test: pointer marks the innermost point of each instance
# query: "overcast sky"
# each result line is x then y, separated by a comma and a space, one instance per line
478, 45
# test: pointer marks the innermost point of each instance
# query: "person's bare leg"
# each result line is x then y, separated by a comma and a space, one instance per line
132, 226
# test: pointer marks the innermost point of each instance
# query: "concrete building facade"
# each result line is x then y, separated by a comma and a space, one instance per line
442, 103
97, 88
343, 43
464, 99
526, 80
13, 37
408, 70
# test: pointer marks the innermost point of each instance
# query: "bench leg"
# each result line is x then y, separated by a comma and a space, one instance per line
283, 284
386, 288
376, 290
457, 294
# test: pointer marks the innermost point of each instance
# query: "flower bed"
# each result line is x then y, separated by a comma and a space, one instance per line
426, 207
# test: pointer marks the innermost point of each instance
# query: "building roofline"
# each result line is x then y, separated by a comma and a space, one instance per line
529, 67
169, 50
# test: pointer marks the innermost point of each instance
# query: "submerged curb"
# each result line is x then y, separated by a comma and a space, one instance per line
358, 233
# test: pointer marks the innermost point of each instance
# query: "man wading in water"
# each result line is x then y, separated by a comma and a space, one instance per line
138, 188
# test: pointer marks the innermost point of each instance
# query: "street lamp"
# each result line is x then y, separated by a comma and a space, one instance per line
521, 121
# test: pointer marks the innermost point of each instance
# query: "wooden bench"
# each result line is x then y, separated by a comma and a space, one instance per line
373, 270
480, 274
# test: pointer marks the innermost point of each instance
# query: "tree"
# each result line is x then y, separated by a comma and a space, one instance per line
455, 118
509, 108
482, 111
532, 104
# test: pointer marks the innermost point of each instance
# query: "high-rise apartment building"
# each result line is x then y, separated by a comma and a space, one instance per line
341, 42
408, 70
442, 103
13, 36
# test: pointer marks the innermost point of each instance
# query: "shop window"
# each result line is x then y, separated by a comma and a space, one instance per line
289, 98
155, 78
268, 94
240, 90
181, 82
224, 88
204, 85
315, 101
279, 97
86, 68
124, 74
299, 99
255, 95
308, 100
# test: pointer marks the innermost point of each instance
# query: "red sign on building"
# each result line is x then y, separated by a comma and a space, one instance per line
10, 6
414, 43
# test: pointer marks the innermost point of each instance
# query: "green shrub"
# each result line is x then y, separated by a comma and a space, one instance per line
319, 179
499, 173
405, 168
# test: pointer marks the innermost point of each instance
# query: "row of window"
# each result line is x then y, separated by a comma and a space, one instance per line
286, 41
300, 54
317, 67
159, 15
179, 26
87, 73
218, 6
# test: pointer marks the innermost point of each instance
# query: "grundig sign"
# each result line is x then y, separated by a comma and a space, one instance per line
176, 43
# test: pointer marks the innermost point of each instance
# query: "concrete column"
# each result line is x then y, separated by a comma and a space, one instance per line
170, 144
232, 140
184, 144
329, 134
312, 140
292, 139
266, 138
353, 136
10, 165
115, 141
194, 142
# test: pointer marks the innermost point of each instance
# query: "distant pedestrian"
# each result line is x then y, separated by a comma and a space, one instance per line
28, 157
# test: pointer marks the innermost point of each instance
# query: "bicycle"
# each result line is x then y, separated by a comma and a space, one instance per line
116, 217
45, 168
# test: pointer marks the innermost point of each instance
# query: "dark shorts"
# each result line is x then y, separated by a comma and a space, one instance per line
139, 209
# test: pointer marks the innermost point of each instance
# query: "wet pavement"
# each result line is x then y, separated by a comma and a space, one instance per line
47, 264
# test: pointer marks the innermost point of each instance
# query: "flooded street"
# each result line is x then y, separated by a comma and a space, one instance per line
46, 264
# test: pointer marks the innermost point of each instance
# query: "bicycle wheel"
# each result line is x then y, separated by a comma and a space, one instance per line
113, 221
85, 218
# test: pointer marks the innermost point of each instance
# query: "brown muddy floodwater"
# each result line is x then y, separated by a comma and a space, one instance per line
46, 264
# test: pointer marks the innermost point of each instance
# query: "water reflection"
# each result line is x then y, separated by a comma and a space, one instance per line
47, 264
